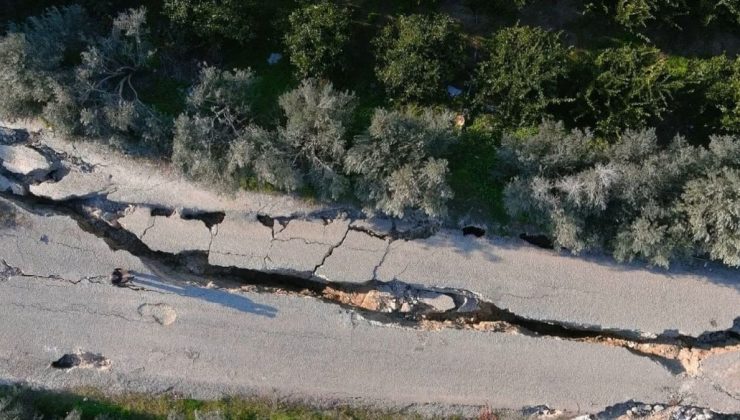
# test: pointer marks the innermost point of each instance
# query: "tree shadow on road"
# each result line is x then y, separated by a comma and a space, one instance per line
230, 300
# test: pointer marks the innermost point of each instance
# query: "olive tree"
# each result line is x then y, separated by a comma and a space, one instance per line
399, 165
518, 80
218, 109
417, 54
315, 133
308, 150
711, 202
317, 38
32, 59
108, 81
621, 197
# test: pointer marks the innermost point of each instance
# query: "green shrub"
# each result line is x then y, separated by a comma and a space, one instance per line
417, 55
518, 81
317, 38
630, 87
308, 151
107, 83
229, 19
588, 195
712, 204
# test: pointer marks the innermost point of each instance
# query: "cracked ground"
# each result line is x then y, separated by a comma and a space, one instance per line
275, 295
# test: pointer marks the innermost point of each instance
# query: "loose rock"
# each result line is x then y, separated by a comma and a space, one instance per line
438, 301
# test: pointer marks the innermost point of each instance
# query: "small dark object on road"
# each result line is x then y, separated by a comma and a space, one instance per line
67, 361
120, 277
86, 359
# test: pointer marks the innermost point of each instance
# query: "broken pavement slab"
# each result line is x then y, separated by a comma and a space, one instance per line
74, 184
242, 242
356, 260
723, 372
547, 286
303, 246
305, 338
171, 234
25, 161
54, 246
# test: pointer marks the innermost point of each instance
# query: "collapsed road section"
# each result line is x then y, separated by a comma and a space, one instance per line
331, 255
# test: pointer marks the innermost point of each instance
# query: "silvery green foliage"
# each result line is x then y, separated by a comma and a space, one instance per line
315, 134
260, 154
108, 82
308, 150
587, 194
218, 110
712, 202
398, 162
32, 56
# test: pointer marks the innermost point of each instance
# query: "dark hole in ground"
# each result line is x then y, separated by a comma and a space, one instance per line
473, 230
266, 220
541, 241
209, 218
158, 211
71, 360
67, 361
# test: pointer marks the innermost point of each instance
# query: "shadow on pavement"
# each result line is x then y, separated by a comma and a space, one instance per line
230, 300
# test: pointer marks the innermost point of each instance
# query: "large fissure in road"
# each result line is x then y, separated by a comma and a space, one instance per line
387, 303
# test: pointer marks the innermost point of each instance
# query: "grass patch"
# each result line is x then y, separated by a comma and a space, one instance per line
477, 193
86, 404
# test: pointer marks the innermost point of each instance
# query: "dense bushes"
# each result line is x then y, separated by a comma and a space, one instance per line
218, 109
108, 81
632, 197
399, 162
417, 55
32, 60
619, 185
630, 86
639, 15
56, 68
518, 80
317, 38
230, 19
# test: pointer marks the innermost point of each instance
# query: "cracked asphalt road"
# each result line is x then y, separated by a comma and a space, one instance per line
55, 300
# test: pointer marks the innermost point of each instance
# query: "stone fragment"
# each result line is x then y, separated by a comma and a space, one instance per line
25, 161
376, 225
438, 301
